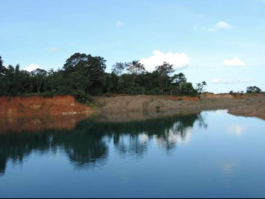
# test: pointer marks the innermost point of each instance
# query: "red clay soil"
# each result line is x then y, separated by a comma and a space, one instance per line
39, 106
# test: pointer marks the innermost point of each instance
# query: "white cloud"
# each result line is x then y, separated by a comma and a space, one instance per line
236, 130
263, 1
221, 81
221, 25
178, 60
53, 49
225, 81
120, 23
234, 62
32, 67
242, 80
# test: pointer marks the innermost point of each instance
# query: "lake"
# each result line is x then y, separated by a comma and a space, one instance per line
207, 154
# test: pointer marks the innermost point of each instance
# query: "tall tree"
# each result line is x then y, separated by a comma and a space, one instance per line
39, 75
178, 80
200, 87
2, 68
164, 71
135, 68
91, 68
118, 68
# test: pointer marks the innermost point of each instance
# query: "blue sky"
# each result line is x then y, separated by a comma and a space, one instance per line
197, 36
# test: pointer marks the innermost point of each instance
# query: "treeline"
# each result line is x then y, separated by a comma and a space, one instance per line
84, 75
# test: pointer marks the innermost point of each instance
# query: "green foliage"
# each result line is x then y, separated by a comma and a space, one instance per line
253, 89
84, 75
200, 87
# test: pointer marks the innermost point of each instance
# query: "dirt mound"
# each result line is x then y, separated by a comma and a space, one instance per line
39, 106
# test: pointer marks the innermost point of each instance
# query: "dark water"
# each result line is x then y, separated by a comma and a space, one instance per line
211, 154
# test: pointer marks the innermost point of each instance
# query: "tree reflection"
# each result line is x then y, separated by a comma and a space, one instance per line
87, 145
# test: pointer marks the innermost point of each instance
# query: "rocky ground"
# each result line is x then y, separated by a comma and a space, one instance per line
252, 107
248, 105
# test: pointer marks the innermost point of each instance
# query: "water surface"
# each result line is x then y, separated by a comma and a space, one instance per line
208, 154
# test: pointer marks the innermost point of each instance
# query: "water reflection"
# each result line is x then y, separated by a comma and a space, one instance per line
236, 130
87, 145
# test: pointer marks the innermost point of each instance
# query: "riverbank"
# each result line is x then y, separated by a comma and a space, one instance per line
30, 107
253, 107
20, 107
240, 105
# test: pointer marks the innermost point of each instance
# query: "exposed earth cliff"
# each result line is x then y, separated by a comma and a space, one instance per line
11, 107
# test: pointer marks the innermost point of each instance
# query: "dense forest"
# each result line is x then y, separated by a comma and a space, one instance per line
84, 75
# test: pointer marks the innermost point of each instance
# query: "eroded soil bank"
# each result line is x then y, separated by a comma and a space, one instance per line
63, 113
15, 107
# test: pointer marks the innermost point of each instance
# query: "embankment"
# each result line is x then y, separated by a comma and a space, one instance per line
15, 107
47, 111
146, 103
253, 107
244, 105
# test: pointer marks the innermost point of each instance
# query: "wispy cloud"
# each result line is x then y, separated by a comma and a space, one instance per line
242, 80
221, 81
120, 23
221, 25
236, 62
53, 49
226, 81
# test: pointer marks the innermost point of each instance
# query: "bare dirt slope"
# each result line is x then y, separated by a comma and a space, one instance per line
39, 106
143, 102
253, 107
247, 105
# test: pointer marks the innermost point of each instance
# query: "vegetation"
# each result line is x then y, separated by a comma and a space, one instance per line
253, 89
84, 75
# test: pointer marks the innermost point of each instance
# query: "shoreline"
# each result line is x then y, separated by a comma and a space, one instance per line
30, 107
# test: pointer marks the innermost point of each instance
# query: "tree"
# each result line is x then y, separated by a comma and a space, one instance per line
118, 68
164, 71
39, 76
188, 89
178, 80
200, 87
135, 68
91, 68
2, 68
253, 89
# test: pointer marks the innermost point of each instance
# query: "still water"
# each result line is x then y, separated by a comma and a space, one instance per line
207, 154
